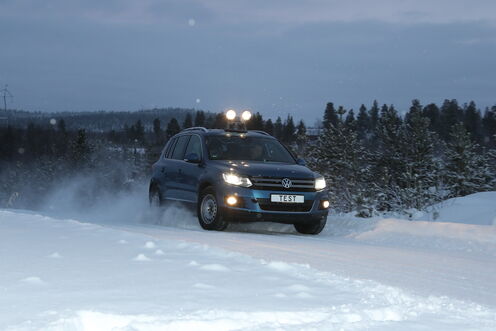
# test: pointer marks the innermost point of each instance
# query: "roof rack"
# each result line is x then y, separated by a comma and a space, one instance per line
235, 130
194, 128
260, 131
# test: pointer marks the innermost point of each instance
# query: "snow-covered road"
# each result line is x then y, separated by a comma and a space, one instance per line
60, 274
465, 275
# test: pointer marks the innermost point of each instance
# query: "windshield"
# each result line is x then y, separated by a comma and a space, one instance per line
247, 149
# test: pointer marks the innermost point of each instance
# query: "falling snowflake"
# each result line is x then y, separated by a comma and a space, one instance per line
53, 121
198, 100
191, 22
20, 150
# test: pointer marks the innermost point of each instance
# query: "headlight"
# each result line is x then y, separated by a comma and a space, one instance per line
320, 183
234, 179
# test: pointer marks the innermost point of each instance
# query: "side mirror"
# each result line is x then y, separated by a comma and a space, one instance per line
192, 158
301, 162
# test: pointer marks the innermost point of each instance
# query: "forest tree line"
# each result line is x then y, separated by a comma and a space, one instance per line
375, 160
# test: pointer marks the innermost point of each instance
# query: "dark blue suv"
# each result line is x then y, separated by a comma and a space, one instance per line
239, 176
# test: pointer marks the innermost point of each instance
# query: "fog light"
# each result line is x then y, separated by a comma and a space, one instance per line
231, 200
325, 204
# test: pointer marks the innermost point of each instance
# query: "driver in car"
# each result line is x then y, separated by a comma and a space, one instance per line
256, 152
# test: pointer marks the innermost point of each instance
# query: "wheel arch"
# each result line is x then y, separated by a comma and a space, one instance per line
203, 185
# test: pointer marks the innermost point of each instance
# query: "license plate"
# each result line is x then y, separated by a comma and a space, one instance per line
287, 198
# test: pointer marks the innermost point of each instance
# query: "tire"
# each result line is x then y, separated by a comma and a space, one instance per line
311, 228
155, 198
156, 205
209, 213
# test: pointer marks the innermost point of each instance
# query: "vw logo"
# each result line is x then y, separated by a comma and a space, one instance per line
286, 183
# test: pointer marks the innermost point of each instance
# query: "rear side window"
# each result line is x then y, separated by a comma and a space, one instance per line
169, 148
194, 146
181, 144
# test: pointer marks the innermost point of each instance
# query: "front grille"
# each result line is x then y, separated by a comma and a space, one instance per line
266, 204
275, 184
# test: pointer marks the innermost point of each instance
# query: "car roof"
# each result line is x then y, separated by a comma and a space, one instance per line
222, 132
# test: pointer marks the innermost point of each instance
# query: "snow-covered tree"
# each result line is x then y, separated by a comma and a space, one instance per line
339, 156
388, 159
420, 176
301, 137
467, 168
330, 116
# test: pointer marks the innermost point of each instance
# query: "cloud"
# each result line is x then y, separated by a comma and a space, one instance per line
258, 11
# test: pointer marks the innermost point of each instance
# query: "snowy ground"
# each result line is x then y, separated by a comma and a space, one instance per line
114, 269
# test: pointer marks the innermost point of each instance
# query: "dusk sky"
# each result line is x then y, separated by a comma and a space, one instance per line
276, 57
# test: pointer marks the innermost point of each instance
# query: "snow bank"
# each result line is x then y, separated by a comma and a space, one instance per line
447, 236
478, 208
461, 224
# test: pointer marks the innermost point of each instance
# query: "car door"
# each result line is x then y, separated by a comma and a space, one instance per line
192, 171
160, 169
174, 168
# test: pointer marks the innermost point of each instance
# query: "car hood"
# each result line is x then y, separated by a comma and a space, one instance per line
262, 169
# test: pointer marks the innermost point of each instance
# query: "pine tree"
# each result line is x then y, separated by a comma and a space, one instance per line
467, 170
269, 127
278, 128
200, 118
388, 160
350, 121
374, 115
140, 131
61, 126
473, 121
415, 108
80, 149
363, 122
451, 114
301, 137
157, 131
173, 128
188, 121
62, 137
256, 122
219, 121
339, 156
341, 111
431, 111
489, 125
420, 179
289, 130
330, 116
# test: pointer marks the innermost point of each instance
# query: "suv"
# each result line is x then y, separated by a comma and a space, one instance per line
238, 176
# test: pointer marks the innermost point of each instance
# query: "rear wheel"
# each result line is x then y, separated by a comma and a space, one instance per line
311, 228
209, 213
155, 198
156, 204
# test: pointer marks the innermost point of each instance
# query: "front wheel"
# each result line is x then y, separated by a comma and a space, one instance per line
209, 213
311, 228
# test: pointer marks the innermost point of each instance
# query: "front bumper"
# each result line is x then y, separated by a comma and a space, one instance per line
253, 206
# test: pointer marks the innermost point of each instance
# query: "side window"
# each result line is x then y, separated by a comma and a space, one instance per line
194, 146
181, 144
169, 147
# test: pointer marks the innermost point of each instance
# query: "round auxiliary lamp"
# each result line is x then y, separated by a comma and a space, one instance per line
235, 122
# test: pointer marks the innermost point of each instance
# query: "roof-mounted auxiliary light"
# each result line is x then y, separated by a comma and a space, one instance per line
246, 115
235, 123
230, 114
